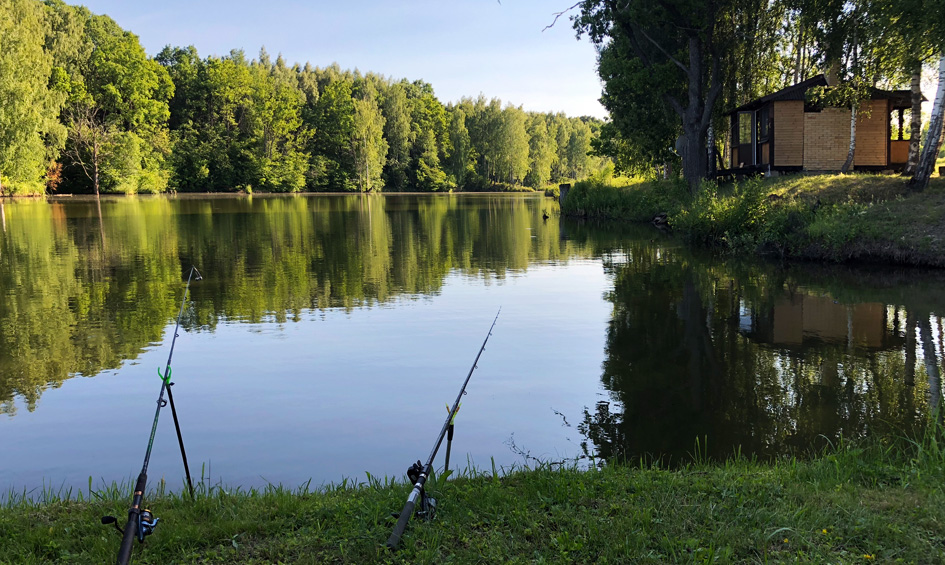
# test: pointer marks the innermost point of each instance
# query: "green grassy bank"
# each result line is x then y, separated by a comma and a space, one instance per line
878, 503
855, 217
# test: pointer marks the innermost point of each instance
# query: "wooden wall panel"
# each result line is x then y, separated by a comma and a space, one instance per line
872, 133
826, 139
789, 133
898, 151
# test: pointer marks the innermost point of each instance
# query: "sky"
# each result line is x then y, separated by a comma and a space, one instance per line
461, 47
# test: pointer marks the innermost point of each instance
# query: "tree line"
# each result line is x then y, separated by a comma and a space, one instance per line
672, 68
84, 109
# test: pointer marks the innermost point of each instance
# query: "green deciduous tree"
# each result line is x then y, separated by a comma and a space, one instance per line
541, 151
397, 133
277, 136
461, 155
117, 110
30, 97
579, 146
561, 127
333, 121
368, 143
512, 146
664, 35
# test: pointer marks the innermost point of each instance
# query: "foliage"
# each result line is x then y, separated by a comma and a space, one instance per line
86, 103
117, 109
643, 133
666, 58
638, 201
732, 219
31, 94
368, 144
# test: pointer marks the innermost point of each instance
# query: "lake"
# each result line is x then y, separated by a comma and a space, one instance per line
330, 332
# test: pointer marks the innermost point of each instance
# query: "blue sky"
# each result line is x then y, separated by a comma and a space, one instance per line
461, 47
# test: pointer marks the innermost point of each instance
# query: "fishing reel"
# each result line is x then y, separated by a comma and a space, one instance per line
427, 505
146, 524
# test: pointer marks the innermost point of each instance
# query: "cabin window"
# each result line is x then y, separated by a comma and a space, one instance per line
763, 124
744, 127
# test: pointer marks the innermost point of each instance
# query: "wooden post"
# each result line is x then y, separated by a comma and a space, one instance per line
563, 192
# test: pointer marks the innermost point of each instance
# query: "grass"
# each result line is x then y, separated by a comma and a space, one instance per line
855, 217
876, 502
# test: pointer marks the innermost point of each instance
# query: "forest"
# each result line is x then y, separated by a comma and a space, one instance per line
84, 109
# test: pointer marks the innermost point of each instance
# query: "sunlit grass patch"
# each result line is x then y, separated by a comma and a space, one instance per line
879, 500
862, 216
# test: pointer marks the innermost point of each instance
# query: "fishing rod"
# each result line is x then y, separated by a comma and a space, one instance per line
141, 522
418, 473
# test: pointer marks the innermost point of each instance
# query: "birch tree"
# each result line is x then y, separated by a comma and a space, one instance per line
368, 145
461, 154
934, 140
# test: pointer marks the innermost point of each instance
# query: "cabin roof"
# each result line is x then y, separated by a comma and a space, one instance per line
899, 98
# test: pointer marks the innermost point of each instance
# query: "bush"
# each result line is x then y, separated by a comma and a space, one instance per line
733, 220
636, 202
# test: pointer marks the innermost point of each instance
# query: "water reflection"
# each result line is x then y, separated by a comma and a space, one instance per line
761, 359
87, 284
752, 357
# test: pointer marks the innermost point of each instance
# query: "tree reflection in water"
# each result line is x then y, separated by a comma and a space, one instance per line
760, 359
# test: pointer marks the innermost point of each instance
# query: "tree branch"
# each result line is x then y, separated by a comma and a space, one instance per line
674, 104
662, 50
558, 15
633, 31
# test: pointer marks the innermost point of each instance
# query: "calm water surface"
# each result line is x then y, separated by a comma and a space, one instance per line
330, 332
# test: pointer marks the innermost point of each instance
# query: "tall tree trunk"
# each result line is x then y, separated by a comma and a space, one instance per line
710, 152
95, 166
915, 128
693, 159
697, 114
849, 162
799, 51
932, 143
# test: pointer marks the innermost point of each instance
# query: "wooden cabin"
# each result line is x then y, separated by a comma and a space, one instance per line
783, 131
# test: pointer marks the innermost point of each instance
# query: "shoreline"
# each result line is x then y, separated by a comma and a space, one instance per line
850, 504
854, 219
188, 195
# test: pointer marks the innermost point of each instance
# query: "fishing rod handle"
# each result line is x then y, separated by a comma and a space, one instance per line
131, 527
405, 515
